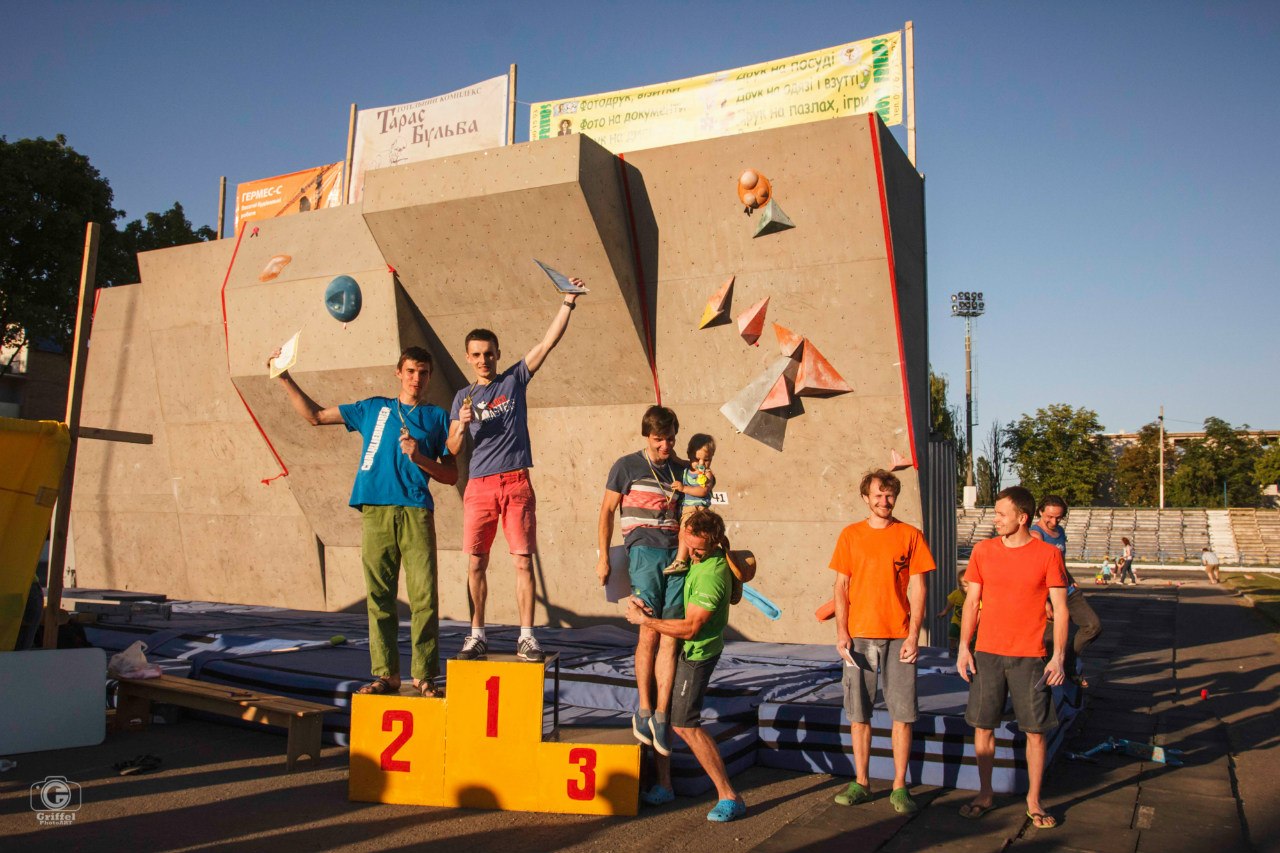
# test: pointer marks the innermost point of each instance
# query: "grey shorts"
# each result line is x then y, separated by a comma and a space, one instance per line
897, 681
689, 690
998, 676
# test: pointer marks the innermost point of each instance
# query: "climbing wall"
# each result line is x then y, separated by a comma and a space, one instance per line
808, 369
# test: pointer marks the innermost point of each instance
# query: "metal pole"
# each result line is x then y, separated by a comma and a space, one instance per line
347, 178
1162, 457
511, 105
909, 39
222, 206
968, 397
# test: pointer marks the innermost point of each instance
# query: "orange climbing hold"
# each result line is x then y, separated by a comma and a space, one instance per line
788, 341
717, 305
816, 377
751, 321
779, 396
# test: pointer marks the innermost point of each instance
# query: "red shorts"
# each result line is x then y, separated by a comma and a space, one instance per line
508, 495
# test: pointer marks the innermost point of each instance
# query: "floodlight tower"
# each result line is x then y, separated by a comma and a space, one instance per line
968, 304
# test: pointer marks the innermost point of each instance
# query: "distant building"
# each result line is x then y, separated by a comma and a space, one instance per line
34, 386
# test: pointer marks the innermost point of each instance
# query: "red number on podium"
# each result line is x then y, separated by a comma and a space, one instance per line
491, 724
586, 761
389, 718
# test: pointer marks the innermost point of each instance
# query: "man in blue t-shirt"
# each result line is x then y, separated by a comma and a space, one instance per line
398, 526
492, 410
1052, 512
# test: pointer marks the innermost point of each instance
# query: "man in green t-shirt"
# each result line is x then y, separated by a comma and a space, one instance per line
707, 589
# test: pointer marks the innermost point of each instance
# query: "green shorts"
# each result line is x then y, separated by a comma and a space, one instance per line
662, 594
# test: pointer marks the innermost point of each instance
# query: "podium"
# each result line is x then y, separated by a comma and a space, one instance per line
481, 747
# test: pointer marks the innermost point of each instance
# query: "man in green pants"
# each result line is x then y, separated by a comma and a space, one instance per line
397, 512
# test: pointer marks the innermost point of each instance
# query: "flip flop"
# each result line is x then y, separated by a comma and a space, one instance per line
427, 690
379, 687
1040, 820
973, 811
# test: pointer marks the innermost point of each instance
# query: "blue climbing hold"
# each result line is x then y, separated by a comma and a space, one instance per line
342, 298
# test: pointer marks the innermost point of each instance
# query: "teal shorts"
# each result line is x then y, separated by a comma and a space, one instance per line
662, 594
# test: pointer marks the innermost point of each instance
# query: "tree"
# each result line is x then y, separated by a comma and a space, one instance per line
1266, 470
1224, 460
159, 231
990, 467
1060, 450
1138, 468
48, 192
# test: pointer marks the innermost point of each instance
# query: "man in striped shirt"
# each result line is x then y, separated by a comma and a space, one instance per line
641, 485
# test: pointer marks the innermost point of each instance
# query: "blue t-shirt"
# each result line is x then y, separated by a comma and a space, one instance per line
386, 477
500, 428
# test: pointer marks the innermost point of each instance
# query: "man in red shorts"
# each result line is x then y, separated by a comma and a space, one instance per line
1011, 574
493, 411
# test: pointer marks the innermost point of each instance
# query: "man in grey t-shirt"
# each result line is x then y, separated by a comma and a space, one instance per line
493, 412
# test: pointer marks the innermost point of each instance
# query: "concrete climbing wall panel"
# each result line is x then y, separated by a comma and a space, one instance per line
463, 233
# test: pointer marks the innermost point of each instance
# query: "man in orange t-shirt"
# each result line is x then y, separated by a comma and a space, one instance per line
1011, 575
880, 602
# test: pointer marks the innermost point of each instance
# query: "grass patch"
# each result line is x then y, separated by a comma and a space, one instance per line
1263, 589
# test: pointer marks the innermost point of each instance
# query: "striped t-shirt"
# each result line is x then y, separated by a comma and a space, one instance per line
650, 516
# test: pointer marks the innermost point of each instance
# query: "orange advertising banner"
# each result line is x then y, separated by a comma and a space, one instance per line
296, 192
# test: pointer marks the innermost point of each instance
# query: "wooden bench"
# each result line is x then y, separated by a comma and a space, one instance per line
302, 719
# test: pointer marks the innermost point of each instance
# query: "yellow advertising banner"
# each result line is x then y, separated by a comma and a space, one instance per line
858, 77
296, 192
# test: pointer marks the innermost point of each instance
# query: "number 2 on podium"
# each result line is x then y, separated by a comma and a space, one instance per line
389, 718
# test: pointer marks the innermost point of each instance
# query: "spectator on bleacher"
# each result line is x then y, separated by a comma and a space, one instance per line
880, 596
1125, 563
1210, 560
1010, 575
1051, 513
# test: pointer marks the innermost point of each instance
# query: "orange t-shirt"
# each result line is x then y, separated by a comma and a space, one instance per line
879, 563
1015, 583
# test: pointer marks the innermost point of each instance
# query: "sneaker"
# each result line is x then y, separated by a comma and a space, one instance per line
677, 567
473, 648
640, 728
657, 796
527, 649
661, 733
727, 810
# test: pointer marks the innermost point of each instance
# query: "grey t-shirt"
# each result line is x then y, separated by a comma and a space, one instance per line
500, 428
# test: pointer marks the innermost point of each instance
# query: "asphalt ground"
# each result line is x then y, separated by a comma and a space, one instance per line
220, 787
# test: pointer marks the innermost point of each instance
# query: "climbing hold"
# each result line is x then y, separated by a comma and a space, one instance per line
342, 298
773, 220
788, 341
717, 305
754, 190
816, 377
274, 267
779, 396
751, 321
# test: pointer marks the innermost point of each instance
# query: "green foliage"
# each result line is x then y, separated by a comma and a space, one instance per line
1060, 450
1266, 470
1224, 459
48, 193
985, 480
1138, 468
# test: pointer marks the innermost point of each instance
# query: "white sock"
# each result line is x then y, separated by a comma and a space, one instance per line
478, 633
526, 633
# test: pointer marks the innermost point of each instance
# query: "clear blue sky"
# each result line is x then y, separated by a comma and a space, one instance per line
1105, 172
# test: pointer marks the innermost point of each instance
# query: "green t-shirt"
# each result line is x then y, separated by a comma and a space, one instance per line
708, 585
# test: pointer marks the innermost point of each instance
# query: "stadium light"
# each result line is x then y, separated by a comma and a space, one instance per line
968, 304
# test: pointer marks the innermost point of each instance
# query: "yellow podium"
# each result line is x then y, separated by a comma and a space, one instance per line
481, 747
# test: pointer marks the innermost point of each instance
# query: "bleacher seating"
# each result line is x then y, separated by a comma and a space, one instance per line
1158, 535
1257, 535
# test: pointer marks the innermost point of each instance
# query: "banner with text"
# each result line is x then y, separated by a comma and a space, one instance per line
469, 119
296, 192
859, 77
